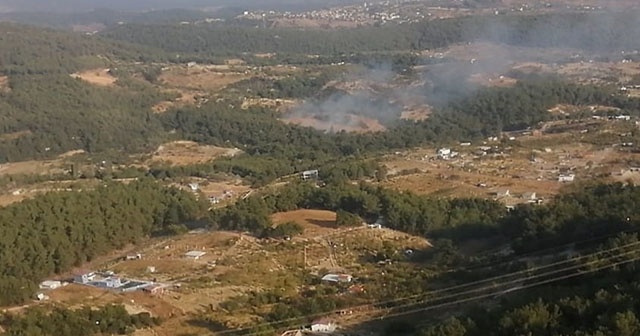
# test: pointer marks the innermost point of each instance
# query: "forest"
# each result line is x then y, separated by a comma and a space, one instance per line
53, 233
589, 31
107, 320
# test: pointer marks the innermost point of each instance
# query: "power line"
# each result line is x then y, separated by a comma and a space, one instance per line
448, 289
482, 296
543, 282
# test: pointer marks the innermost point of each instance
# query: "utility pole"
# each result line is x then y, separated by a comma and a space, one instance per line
305, 256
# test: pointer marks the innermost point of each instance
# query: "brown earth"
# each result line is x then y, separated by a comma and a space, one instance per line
180, 153
314, 221
100, 77
200, 78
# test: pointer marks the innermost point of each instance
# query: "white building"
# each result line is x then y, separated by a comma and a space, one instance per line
446, 154
566, 178
195, 255
50, 284
323, 326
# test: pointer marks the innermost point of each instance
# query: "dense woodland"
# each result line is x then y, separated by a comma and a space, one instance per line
58, 231
597, 32
107, 320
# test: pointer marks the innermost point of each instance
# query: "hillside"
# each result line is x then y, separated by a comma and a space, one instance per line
45, 111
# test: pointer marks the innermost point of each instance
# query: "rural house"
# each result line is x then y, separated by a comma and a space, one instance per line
50, 284
323, 326
566, 178
195, 255
309, 174
84, 277
337, 278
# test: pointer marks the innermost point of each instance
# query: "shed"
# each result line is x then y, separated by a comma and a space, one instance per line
50, 284
195, 255
323, 326
337, 278
84, 277
309, 174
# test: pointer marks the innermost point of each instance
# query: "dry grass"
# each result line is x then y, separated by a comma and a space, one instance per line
31, 167
185, 98
100, 77
180, 153
14, 135
201, 78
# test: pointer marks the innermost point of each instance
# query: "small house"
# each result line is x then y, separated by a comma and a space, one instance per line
309, 174
529, 196
195, 255
136, 256
566, 178
323, 326
444, 153
84, 277
154, 289
50, 284
337, 278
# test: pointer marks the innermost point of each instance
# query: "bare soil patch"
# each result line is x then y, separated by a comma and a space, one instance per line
31, 167
185, 98
314, 221
14, 135
100, 77
179, 153
200, 78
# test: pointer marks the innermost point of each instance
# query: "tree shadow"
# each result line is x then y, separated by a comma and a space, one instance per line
323, 223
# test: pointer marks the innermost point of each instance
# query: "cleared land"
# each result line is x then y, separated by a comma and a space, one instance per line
100, 77
181, 153
201, 78
529, 163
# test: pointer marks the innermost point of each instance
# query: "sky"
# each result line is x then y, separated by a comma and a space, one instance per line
137, 5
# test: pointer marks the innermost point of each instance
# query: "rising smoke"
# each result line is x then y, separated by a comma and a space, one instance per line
492, 49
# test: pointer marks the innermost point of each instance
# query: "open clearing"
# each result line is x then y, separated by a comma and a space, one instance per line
314, 221
182, 153
529, 163
100, 77
200, 78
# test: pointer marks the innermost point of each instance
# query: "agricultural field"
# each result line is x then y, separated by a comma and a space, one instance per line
101, 77
530, 163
